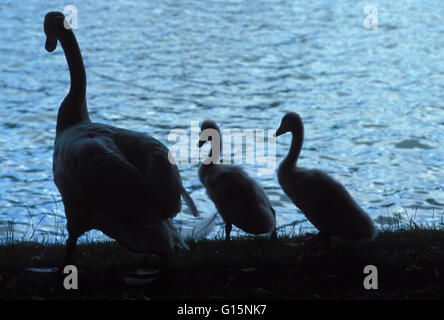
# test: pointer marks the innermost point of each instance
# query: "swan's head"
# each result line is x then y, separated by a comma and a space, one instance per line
209, 131
291, 122
54, 23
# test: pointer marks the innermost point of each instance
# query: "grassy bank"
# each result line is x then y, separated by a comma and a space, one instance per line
410, 265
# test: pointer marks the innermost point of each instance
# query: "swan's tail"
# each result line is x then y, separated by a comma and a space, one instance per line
201, 230
190, 203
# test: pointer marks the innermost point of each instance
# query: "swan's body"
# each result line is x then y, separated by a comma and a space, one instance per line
111, 179
324, 201
239, 199
114, 180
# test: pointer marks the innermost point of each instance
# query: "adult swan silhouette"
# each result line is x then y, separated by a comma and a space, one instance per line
111, 179
324, 201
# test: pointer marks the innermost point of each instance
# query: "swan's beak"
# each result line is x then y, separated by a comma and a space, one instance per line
51, 44
278, 132
201, 143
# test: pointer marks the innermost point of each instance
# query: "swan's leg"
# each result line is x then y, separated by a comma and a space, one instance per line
274, 233
71, 244
75, 226
228, 227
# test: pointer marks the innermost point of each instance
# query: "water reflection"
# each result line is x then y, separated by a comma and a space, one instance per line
371, 100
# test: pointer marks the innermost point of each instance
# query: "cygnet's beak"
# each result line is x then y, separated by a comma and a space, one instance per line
278, 132
201, 143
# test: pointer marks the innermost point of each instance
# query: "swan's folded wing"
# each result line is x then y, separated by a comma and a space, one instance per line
150, 157
241, 201
228, 188
100, 176
321, 198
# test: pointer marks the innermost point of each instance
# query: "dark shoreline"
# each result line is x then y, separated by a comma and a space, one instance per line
410, 265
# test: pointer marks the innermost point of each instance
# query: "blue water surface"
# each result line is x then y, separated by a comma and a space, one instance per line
372, 100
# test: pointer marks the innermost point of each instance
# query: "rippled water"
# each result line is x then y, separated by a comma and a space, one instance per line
372, 100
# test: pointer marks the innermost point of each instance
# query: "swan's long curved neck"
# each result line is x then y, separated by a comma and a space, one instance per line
297, 138
211, 161
73, 109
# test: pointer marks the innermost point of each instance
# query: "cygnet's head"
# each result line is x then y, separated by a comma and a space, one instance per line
209, 131
53, 25
291, 122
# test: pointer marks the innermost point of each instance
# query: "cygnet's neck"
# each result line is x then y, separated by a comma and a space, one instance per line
297, 138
